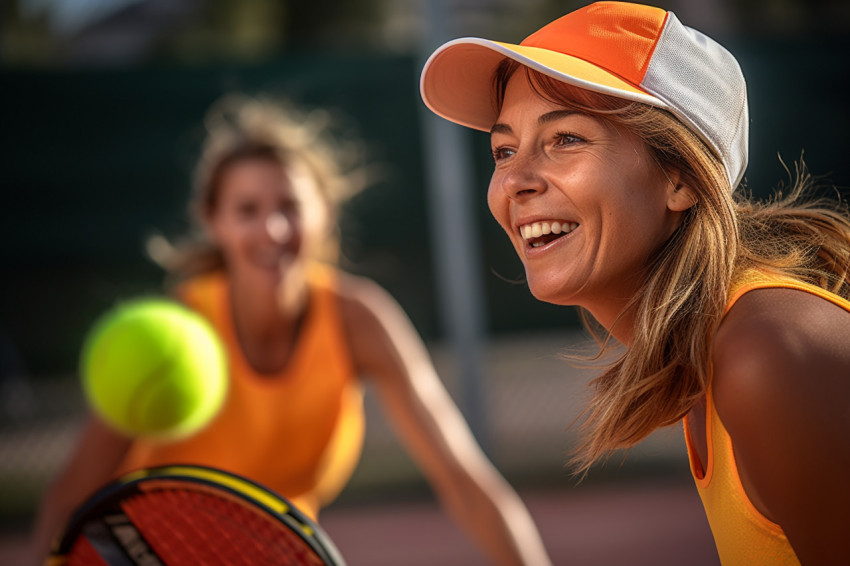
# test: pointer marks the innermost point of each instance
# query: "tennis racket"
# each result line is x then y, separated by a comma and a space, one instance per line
190, 516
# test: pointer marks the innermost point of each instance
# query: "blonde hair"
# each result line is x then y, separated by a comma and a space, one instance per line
665, 371
241, 127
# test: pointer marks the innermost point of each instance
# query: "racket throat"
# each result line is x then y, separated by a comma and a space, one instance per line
118, 528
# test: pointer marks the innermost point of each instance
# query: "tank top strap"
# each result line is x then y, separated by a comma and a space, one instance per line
756, 279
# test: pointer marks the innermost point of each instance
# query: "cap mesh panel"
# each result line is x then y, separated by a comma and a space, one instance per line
708, 92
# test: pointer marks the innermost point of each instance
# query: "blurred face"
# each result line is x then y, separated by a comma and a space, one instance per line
582, 202
267, 219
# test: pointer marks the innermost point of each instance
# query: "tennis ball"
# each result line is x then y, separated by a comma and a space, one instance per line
152, 367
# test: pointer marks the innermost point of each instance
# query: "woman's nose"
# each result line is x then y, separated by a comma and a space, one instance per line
278, 227
521, 178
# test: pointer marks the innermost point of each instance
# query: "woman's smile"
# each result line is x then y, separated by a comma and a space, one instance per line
582, 201
541, 234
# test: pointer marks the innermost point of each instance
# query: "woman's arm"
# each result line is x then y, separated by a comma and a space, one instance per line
94, 460
782, 388
386, 347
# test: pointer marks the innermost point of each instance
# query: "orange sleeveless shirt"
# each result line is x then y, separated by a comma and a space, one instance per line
742, 534
298, 432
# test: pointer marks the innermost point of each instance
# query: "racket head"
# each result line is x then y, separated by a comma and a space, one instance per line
187, 515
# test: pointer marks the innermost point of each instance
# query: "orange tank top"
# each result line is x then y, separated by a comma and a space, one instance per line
298, 432
742, 534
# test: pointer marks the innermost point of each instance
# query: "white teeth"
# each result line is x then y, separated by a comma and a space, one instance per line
537, 229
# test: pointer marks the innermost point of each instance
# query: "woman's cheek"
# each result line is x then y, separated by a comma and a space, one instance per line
498, 208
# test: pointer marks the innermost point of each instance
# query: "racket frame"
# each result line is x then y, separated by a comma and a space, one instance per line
106, 502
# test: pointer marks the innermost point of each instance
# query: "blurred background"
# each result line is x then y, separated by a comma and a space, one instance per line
101, 107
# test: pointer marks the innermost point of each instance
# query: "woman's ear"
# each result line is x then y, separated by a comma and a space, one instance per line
680, 196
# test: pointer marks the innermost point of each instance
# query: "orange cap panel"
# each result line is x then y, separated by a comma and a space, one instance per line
621, 40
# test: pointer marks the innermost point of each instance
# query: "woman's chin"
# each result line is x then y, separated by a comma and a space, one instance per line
548, 290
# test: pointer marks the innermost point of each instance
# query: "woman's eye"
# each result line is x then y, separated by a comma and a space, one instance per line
566, 138
246, 210
500, 153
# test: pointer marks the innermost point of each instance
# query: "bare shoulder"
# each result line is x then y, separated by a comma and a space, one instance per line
362, 300
378, 330
776, 345
781, 381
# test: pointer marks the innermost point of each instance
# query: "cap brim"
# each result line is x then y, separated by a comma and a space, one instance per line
457, 79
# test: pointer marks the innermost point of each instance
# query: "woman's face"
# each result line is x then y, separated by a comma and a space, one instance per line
582, 202
266, 218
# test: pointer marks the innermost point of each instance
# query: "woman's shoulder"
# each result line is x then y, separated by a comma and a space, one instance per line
771, 344
346, 285
773, 325
194, 290
780, 384
379, 330
361, 297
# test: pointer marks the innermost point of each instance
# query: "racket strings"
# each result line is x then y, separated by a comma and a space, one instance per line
185, 527
84, 554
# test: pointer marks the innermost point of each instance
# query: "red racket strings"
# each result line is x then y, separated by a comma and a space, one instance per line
189, 527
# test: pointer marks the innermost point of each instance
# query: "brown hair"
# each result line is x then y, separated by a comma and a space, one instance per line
665, 371
240, 127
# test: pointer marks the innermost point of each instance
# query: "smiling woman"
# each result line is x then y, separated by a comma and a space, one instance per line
573, 169
619, 136
302, 337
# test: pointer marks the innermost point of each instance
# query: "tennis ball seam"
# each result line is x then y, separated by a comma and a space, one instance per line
186, 353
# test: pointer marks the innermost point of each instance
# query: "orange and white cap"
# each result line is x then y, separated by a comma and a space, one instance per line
630, 51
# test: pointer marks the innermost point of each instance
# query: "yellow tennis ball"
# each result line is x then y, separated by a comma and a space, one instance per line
152, 367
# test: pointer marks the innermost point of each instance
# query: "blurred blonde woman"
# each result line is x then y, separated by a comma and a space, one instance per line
619, 136
302, 338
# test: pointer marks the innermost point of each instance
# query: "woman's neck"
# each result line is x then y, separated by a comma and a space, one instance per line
618, 318
267, 320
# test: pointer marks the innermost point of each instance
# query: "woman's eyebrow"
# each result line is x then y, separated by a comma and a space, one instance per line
555, 115
499, 128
